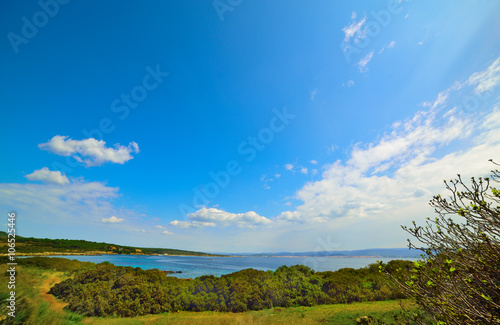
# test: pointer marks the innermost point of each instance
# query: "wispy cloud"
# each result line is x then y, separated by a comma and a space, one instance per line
76, 202
388, 46
314, 93
487, 79
363, 63
47, 176
90, 152
357, 189
390, 180
355, 30
348, 84
441, 99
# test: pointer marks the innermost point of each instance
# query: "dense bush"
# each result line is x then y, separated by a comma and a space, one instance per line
126, 291
458, 279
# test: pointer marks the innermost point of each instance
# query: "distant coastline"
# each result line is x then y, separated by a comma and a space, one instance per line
55, 254
30, 246
328, 256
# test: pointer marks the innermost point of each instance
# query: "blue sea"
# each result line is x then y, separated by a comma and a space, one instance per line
195, 266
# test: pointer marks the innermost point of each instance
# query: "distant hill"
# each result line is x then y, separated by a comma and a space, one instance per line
46, 246
379, 252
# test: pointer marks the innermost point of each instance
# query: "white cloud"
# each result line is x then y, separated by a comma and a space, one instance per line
388, 46
54, 211
441, 99
167, 232
290, 216
332, 149
112, 219
414, 139
350, 191
211, 217
348, 84
304, 170
389, 181
75, 203
314, 162
487, 79
159, 227
314, 93
289, 167
90, 151
363, 63
355, 30
186, 224
47, 176
277, 175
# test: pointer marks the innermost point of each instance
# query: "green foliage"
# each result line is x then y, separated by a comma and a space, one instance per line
458, 279
108, 290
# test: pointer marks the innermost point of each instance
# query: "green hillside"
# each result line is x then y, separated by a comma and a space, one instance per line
31, 245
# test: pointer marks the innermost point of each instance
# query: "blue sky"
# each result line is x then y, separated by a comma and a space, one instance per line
234, 126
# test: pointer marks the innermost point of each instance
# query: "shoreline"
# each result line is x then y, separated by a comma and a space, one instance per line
99, 253
58, 254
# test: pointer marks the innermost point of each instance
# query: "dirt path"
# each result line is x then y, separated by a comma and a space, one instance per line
55, 304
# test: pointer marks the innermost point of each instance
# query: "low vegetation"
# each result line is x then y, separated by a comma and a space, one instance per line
109, 290
85, 287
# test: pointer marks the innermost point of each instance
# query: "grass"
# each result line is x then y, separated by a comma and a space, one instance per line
384, 311
35, 306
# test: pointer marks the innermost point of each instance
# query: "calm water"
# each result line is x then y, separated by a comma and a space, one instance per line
194, 266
